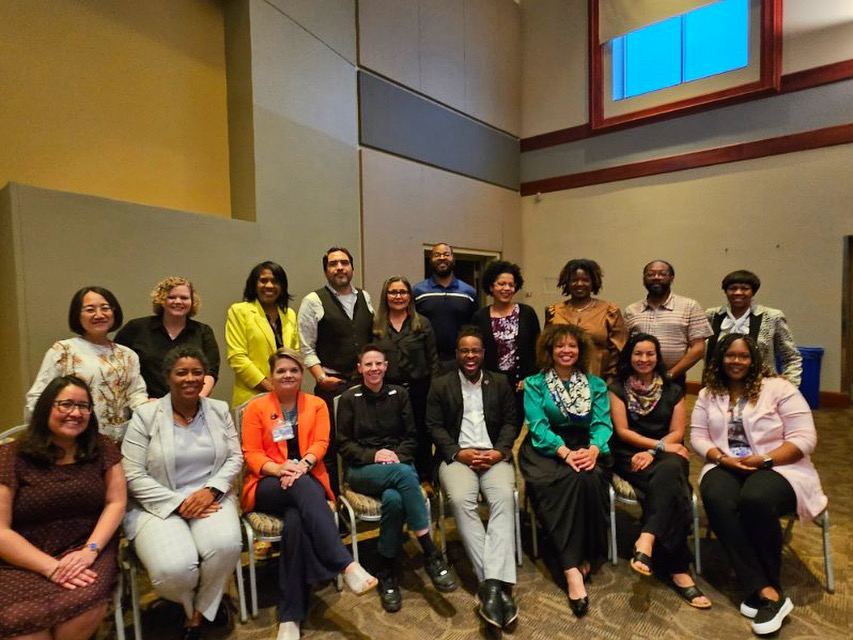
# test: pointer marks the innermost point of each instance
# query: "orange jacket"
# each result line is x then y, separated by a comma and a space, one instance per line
259, 448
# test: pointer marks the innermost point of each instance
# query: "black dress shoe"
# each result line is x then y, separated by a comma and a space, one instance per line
440, 574
510, 609
491, 608
579, 606
389, 594
191, 633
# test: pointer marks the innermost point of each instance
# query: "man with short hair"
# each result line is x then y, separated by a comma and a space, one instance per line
335, 322
448, 302
679, 323
471, 419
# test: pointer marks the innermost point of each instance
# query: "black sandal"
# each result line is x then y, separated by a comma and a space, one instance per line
689, 594
639, 556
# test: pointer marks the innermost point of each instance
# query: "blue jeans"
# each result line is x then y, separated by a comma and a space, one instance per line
398, 486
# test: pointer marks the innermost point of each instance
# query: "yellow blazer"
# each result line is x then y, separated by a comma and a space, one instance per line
250, 342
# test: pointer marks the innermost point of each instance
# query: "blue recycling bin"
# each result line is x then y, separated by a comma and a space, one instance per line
810, 384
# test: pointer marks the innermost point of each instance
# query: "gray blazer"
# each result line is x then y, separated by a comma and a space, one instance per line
149, 460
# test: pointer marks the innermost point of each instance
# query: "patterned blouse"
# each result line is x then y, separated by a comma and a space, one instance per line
111, 371
505, 332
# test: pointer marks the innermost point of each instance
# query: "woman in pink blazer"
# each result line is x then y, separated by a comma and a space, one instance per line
756, 432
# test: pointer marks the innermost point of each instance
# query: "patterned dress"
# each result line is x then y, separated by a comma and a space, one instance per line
111, 371
55, 508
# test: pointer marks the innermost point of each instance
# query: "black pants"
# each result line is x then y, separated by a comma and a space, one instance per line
418, 390
311, 547
664, 492
744, 510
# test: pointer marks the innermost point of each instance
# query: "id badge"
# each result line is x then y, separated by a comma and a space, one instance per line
282, 430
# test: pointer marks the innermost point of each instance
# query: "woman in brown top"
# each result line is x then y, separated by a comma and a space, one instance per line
580, 279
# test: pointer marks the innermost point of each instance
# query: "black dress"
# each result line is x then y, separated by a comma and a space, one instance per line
663, 487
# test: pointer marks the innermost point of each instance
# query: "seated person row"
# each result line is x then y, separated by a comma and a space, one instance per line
62, 498
182, 459
285, 436
471, 418
377, 442
756, 432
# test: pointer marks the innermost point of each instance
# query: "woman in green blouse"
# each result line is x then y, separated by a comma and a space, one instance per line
565, 456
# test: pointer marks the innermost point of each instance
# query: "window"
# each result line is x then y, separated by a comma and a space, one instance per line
704, 42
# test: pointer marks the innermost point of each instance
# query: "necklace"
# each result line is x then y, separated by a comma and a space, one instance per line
185, 418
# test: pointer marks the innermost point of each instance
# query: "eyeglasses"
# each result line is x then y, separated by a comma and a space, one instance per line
90, 311
399, 293
67, 406
469, 352
732, 357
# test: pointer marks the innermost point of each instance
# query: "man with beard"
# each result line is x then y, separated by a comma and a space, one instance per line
677, 322
471, 418
335, 322
446, 301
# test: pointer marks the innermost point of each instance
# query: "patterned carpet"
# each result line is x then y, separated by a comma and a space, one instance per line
622, 604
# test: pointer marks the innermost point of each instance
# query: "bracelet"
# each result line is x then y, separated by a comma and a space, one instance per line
92, 546
719, 460
566, 457
660, 447
308, 463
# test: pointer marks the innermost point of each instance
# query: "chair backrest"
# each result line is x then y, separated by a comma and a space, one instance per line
239, 410
10, 435
340, 461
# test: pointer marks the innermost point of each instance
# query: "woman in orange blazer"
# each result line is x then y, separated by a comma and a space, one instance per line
285, 435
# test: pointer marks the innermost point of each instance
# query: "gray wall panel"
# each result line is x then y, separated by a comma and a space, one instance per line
398, 121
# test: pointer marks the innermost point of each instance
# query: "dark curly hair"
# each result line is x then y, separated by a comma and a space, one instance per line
625, 370
555, 333
495, 269
37, 443
716, 379
596, 275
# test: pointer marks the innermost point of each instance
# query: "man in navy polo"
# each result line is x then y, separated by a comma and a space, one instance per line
446, 301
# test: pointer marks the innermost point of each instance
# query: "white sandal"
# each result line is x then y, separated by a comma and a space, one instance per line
288, 631
358, 580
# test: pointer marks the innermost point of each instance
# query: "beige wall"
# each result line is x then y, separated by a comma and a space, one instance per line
555, 50
406, 205
119, 98
463, 53
783, 217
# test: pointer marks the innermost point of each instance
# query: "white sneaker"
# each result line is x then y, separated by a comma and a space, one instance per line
749, 607
288, 631
770, 615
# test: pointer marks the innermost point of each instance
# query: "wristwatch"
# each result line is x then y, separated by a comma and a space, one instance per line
217, 494
768, 463
660, 447
92, 546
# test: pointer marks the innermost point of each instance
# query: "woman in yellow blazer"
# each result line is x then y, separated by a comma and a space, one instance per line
254, 329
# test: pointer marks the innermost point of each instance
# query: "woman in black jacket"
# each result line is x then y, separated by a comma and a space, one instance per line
510, 329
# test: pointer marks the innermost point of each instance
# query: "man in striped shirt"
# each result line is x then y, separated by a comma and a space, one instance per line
677, 322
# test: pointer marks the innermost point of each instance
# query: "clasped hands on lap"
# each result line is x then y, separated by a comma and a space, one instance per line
72, 570
479, 459
583, 459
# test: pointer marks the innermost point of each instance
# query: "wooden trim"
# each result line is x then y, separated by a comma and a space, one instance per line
815, 139
817, 76
826, 400
806, 79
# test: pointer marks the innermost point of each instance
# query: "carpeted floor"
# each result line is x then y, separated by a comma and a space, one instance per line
623, 604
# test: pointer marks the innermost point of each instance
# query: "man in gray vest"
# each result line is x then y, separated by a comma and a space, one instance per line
335, 322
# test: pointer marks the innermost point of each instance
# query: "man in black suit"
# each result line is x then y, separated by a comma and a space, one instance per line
471, 419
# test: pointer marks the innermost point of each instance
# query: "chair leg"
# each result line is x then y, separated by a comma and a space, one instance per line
697, 537
352, 527
253, 584
518, 552
134, 599
827, 552
339, 581
442, 534
614, 556
534, 528
119, 612
241, 590
429, 514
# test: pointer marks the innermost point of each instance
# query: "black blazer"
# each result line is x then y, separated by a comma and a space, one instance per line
444, 413
528, 331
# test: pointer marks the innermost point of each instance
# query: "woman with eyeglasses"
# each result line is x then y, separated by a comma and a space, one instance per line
756, 433
407, 339
110, 370
510, 329
62, 498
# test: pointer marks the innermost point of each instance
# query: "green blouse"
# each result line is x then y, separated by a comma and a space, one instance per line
541, 412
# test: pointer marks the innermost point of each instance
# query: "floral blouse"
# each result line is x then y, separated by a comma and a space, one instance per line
111, 371
505, 332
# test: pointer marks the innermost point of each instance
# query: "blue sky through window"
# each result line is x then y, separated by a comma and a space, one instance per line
701, 43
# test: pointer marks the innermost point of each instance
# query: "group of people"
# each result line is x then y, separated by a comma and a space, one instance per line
425, 387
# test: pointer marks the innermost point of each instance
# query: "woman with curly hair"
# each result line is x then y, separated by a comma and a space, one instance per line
756, 432
175, 302
565, 454
579, 280
510, 329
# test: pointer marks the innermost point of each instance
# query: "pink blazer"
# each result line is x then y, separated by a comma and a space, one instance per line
780, 415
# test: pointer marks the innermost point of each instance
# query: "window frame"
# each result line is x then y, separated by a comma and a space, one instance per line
769, 75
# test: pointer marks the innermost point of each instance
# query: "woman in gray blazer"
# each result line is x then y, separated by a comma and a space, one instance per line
182, 458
